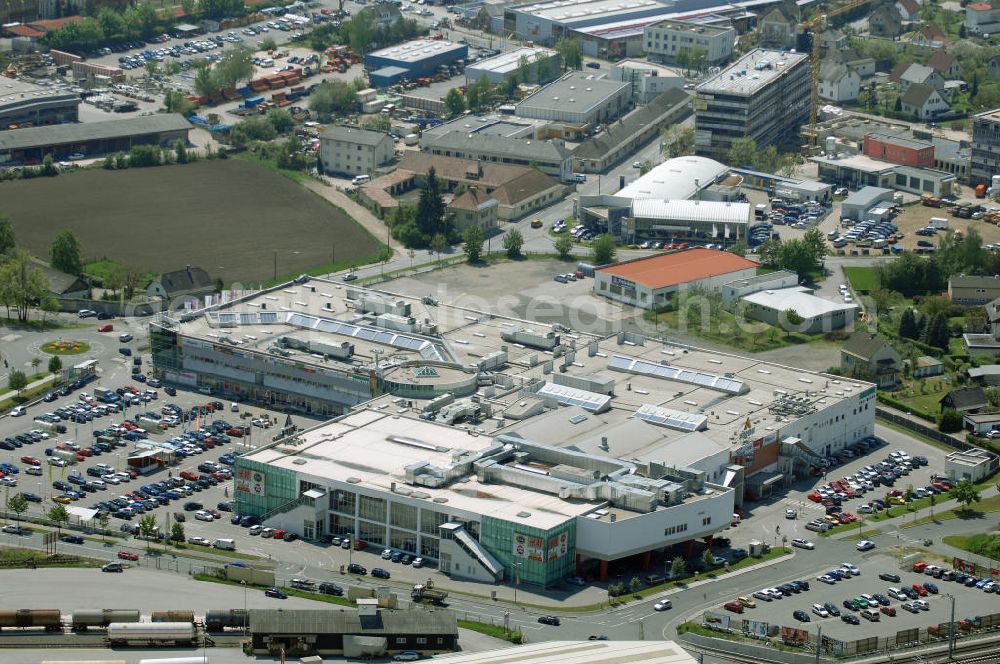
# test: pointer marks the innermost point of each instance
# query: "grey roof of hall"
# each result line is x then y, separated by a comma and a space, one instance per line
17, 90
523, 148
866, 196
900, 138
348, 621
617, 133
19, 139
354, 135
576, 91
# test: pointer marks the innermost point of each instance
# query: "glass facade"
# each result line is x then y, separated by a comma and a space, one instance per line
163, 348
542, 557
260, 488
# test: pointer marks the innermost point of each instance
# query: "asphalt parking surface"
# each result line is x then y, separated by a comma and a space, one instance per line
968, 601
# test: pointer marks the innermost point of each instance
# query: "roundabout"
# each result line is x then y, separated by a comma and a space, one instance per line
65, 347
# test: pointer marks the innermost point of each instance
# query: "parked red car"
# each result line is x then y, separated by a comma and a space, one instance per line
189, 475
815, 497
30, 460
106, 328
126, 555
733, 606
919, 589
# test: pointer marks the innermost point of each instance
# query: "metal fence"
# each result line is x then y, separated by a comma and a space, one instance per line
922, 429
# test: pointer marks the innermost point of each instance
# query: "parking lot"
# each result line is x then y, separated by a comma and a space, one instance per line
968, 601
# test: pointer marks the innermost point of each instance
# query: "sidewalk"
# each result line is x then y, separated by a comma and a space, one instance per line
359, 213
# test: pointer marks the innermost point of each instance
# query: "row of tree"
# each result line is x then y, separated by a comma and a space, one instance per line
363, 32
744, 153
803, 256
232, 67
914, 275
108, 26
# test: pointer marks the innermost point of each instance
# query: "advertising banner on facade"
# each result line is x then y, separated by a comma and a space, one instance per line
966, 566
251, 482
755, 628
526, 546
833, 646
794, 635
558, 546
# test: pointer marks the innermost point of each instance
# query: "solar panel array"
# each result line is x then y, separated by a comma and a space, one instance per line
681, 375
571, 396
672, 419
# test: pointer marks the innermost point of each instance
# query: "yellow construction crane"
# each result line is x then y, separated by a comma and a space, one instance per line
816, 26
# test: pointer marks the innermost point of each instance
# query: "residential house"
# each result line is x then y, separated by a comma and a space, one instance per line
779, 28
926, 366
924, 102
982, 18
916, 73
931, 36
348, 150
838, 83
965, 400
985, 374
855, 59
909, 10
974, 291
62, 284
868, 356
387, 12
993, 315
981, 424
885, 21
186, 283
474, 207
945, 64
833, 40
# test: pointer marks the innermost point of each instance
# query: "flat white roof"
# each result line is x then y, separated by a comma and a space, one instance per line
579, 652
698, 211
756, 69
509, 61
675, 179
800, 299
569, 10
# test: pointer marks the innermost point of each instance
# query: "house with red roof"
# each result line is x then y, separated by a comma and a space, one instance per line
982, 18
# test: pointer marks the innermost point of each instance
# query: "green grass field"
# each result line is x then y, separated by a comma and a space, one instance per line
238, 220
862, 278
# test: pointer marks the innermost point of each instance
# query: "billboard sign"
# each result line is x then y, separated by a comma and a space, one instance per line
794, 635
526, 546
250, 482
964, 565
755, 628
716, 620
558, 546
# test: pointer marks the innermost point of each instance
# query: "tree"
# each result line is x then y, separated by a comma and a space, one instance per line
740, 248
55, 364
793, 319
798, 256
220, 8
59, 516
473, 238
563, 245
268, 44
454, 102
8, 240
333, 97
936, 333
177, 532
103, 518
35, 362
148, 528
176, 102
571, 52
49, 169
65, 253
21, 284
180, 152
742, 152
950, 420
438, 244
965, 493
634, 585
676, 567
377, 122
513, 241
188, 7
677, 141
152, 68
17, 504
645, 167
604, 248
17, 381
280, 119
430, 206
908, 324
707, 558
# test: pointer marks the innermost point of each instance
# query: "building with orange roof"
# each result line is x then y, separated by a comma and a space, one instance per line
651, 282
982, 18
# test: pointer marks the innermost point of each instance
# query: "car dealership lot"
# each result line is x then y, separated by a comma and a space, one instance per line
968, 601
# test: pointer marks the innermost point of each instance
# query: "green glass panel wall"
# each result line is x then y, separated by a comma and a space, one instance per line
536, 556
259, 488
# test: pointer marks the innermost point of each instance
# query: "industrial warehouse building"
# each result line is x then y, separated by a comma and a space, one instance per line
652, 282
24, 104
546, 22
367, 631
91, 138
818, 314
764, 95
412, 60
578, 98
543, 66
574, 451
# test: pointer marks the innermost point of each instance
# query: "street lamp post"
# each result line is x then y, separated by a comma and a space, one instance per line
517, 579
951, 628
244, 584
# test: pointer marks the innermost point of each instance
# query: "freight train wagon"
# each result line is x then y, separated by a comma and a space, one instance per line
87, 618
154, 634
217, 620
50, 619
